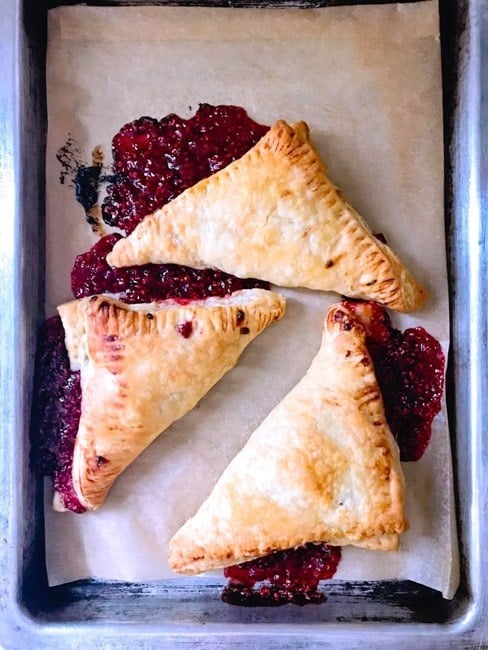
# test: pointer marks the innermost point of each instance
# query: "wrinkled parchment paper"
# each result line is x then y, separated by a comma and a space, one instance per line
367, 80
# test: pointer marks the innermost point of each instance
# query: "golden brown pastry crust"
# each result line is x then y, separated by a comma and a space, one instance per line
322, 467
139, 373
274, 214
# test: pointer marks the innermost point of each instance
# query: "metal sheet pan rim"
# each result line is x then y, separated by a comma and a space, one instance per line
20, 245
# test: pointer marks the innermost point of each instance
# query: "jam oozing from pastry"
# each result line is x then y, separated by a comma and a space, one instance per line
185, 329
409, 367
155, 160
59, 406
135, 284
290, 576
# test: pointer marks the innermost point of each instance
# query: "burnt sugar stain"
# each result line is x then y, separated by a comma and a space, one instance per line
87, 182
85, 178
69, 157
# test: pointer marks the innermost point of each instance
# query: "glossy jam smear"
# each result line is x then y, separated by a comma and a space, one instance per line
155, 160
58, 404
135, 284
409, 367
290, 576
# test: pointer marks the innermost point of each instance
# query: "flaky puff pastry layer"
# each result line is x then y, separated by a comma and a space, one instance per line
274, 214
322, 467
144, 366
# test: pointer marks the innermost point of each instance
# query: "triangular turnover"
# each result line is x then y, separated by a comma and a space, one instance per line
322, 467
144, 366
274, 214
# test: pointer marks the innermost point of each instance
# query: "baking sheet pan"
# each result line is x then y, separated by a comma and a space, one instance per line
72, 615
383, 147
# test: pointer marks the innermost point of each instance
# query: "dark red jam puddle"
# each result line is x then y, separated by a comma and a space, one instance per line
410, 372
155, 160
135, 284
290, 576
58, 404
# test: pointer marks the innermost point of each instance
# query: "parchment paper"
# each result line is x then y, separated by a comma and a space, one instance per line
367, 80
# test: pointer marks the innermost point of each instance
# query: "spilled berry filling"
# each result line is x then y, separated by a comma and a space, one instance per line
155, 160
283, 577
91, 274
409, 367
59, 407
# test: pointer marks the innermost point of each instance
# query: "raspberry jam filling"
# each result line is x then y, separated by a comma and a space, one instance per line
135, 284
290, 576
59, 406
154, 161
409, 367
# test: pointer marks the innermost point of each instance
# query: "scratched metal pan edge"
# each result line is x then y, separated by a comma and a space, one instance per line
97, 614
